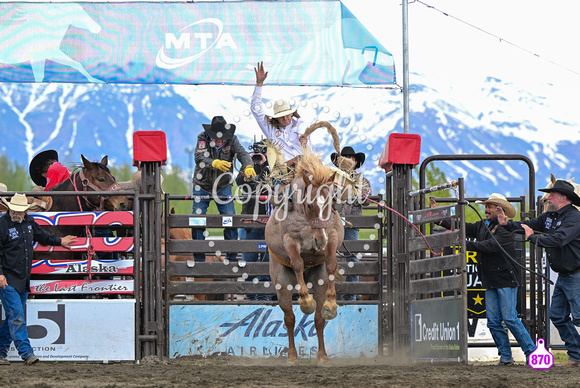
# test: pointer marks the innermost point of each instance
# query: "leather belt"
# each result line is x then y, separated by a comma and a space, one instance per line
569, 273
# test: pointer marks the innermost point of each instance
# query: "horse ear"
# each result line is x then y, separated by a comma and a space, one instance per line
305, 178
552, 178
88, 165
332, 177
105, 160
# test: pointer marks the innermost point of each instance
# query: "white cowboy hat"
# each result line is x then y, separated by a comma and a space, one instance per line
282, 108
3, 187
498, 199
18, 203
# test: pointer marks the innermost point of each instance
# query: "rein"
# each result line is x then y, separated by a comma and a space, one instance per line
85, 185
88, 184
286, 264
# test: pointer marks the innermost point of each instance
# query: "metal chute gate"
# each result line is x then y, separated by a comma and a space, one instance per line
424, 303
531, 305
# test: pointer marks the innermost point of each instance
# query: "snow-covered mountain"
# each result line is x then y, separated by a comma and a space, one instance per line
492, 118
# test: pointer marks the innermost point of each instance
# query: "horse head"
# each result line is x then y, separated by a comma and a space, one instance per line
315, 201
553, 180
79, 18
97, 177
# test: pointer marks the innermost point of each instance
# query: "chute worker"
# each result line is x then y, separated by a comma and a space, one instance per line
213, 175
561, 240
498, 274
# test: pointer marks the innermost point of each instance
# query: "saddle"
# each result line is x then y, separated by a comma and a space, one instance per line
41, 204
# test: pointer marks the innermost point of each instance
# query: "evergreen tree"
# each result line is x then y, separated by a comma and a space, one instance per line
14, 176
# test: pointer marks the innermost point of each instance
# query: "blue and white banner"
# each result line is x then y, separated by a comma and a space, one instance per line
300, 42
259, 331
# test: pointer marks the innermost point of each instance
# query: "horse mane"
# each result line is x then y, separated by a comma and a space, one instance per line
311, 163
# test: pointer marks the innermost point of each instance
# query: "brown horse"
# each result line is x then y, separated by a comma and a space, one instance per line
303, 236
92, 176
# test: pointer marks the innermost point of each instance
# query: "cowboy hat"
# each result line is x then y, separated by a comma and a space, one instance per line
18, 203
219, 129
282, 108
38, 161
565, 188
349, 151
500, 200
3, 187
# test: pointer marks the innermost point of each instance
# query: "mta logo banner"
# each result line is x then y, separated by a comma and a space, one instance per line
314, 43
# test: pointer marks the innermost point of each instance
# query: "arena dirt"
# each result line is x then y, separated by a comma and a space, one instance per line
239, 372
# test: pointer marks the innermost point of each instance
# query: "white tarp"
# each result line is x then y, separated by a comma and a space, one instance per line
302, 43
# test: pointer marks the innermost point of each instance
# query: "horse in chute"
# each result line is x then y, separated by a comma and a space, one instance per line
303, 235
93, 176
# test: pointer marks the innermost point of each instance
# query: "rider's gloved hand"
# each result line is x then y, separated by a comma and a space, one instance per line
250, 172
222, 165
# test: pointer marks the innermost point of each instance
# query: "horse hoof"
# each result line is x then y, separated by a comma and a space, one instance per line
329, 313
308, 309
324, 361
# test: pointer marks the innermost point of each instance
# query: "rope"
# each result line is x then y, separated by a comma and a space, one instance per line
286, 264
91, 247
507, 255
408, 221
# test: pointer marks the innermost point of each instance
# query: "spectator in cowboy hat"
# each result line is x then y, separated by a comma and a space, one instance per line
216, 147
559, 235
349, 161
18, 232
498, 274
46, 171
284, 126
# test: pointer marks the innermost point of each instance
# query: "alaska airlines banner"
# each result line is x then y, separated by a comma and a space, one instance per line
300, 42
259, 331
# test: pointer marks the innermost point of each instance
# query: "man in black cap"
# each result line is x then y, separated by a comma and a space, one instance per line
354, 204
560, 236
46, 171
213, 175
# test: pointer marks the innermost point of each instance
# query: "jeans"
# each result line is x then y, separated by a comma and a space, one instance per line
224, 208
350, 234
500, 305
263, 257
566, 301
14, 326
